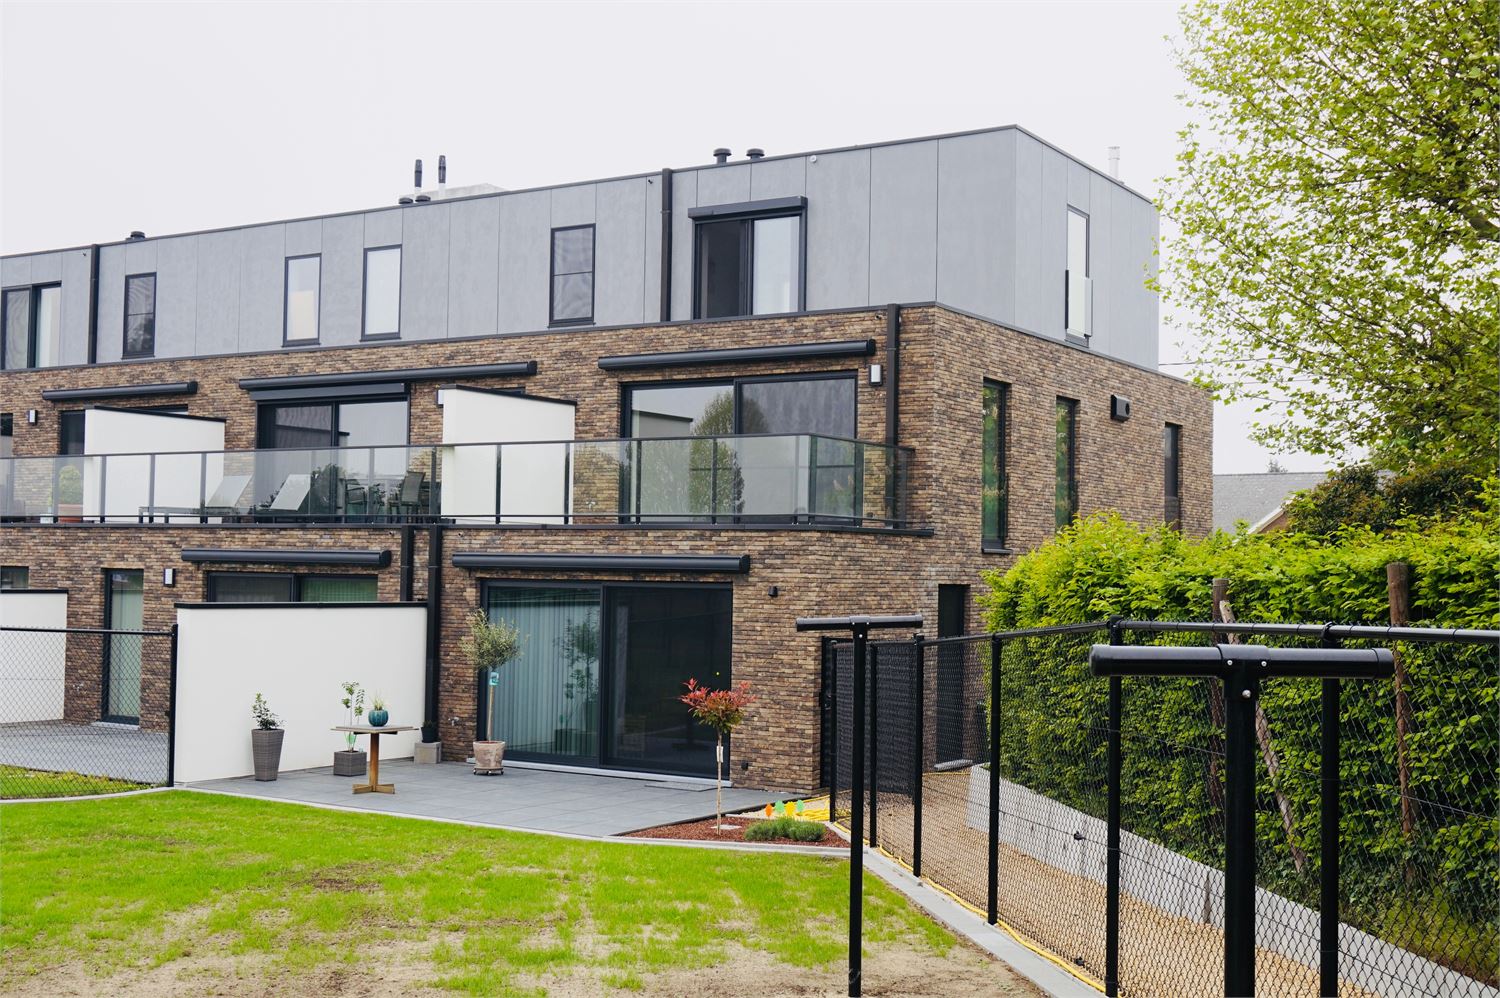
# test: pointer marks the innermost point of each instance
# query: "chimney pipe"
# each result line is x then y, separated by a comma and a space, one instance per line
137, 234
442, 173
755, 153
721, 155
1114, 162
417, 175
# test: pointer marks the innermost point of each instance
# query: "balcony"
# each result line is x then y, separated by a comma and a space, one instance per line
676, 481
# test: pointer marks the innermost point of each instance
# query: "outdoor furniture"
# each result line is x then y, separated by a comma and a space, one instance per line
410, 497
292, 494
375, 786
224, 502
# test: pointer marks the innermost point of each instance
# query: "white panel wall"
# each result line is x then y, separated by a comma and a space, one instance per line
533, 480
121, 487
32, 664
228, 653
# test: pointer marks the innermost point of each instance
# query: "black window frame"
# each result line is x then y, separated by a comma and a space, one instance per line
552, 275
365, 335
1172, 475
334, 403
747, 220
997, 540
1071, 482
34, 293
7, 575
65, 417
286, 303
295, 580
734, 382
125, 352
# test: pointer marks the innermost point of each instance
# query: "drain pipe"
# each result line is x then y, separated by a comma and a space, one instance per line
434, 629
408, 570
666, 245
893, 374
94, 303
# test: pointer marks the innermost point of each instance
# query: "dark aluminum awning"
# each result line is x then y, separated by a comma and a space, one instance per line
695, 563
740, 355
120, 391
290, 556
338, 379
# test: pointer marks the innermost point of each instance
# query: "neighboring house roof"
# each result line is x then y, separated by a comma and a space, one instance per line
1257, 498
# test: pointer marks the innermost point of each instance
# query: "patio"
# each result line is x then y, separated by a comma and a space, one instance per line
541, 800
113, 751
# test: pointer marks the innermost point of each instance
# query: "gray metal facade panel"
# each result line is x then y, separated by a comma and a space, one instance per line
75, 307
780, 178
1052, 245
141, 257
303, 238
15, 270
46, 268
181, 329
1028, 281
903, 222
971, 195
651, 251
723, 184
573, 205
838, 230
525, 262
262, 287
1105, 252
342, 279
383, 228
424, 272
684, 196
620, 226
111, 329
474, 267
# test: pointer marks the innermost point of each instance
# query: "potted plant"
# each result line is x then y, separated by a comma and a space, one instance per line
722, 710
351, 761
487, 647
379, 716
265, 740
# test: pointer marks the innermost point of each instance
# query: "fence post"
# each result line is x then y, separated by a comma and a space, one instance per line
1328, 834
992, 906
861, 633
172, 711
1240, 689
874, 743
1112, 826
919, 753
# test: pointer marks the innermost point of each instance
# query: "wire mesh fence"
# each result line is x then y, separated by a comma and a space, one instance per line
83, 711
1418, 777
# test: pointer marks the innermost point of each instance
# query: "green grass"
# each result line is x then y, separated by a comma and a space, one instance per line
138, 882
17, 783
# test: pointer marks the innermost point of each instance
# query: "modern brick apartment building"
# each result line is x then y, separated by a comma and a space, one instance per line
650, 420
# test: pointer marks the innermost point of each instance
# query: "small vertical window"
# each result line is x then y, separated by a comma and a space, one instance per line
70, 432
382, 292
300, 310
7, 428
572, 275
1067, 461
140, 315
32, 323
15, 577
1078, 298
1171, 454
993, 483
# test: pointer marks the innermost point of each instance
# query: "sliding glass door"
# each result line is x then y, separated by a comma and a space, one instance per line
600, 670
122, 652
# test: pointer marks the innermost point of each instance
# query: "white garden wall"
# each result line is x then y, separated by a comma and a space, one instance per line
533, 480
122, 486
32, 665
297, 657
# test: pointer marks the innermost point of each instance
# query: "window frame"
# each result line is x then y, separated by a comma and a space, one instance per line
364, 294
334, 403
733, 382
210, 580
6, 574
286, 304
33, 294
552, 275
999, 540
1088, 263
1072, 406
125, 353
747, 219
1172, 462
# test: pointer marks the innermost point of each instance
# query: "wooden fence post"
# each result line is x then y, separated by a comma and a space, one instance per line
1398, 595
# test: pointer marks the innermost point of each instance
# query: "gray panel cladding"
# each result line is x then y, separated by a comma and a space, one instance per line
780, 178
972, 197
474, 267
620, 231
15, 270
903, 222
684, 196
1105, 254
424, 272
75, 307
304, 238
1030, 264
383, 228
342, 276
111, 331
525, 261
573, 205
723, 184
181, 330
262, 287
838, 230
651, 241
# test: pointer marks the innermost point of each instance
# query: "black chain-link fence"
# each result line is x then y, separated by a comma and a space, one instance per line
1419, 884
83, 711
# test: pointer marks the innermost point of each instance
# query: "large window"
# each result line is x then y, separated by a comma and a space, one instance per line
993, 483
382, 292
572, 276
1067, 461
821, 404
600, 671
748, 266
1171, 455
32, 322
300, 310
278, 587
140, 315
1078, 303
333, 424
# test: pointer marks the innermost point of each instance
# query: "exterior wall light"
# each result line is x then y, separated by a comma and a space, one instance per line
169, 576
31, 416
877, 374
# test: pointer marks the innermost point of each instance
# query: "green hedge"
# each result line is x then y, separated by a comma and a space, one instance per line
1436, 891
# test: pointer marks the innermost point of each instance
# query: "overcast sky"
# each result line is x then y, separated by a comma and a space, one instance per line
175, 116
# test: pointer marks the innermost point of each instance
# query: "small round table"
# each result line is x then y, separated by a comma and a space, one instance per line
375, 786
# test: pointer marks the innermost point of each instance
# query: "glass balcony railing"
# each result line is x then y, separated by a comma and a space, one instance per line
767, 479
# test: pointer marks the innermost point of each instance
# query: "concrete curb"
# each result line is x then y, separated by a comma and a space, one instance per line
64, 800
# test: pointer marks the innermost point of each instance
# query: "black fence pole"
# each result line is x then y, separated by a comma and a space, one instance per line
874, 743
172, 711
1239, 828
1329, 832
918, 754
857, 811
1112, 828
992, 905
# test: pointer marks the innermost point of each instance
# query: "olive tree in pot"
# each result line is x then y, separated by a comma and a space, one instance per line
722, 710
488, 647
265, 740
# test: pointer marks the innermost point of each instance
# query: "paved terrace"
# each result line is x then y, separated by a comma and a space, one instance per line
536, 799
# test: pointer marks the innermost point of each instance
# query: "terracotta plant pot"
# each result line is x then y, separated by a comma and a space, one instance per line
265, 750
489, 757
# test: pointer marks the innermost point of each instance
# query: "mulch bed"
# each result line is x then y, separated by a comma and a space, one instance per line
704, 831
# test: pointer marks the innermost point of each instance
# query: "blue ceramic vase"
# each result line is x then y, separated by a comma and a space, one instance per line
378, 718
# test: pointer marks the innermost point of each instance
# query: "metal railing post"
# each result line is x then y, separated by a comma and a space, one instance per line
919, 753
857, 812
1240, 691
203, 486
992, 896
1328, 841
1113, 780
874, 742
150, 487
172, 712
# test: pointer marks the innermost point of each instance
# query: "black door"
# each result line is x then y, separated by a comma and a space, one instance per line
951, 723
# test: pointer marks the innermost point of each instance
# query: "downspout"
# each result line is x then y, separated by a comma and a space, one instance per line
408, 570
892, 375
434, 629
666, 245
94, 303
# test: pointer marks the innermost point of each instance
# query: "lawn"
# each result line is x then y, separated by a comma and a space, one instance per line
182, 893
16, 782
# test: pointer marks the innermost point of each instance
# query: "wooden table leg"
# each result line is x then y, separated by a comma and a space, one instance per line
375, 786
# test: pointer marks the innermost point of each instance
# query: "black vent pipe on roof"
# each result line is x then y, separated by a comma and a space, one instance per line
721, 155
755, 153
442, 169
416, 175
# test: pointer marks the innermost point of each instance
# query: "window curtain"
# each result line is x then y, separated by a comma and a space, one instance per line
546, 700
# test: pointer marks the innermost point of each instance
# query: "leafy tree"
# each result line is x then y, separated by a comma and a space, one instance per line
1360, 496
1338, 195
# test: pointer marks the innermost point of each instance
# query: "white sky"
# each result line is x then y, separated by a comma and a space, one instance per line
168, 117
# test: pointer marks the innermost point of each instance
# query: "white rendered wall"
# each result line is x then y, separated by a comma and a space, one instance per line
125, 482
32, 666
297, 657
533, 480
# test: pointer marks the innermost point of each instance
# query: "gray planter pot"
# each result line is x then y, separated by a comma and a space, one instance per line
265, 749
349, 762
